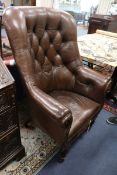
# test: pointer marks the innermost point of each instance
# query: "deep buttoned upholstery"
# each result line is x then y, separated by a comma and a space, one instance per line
64, 95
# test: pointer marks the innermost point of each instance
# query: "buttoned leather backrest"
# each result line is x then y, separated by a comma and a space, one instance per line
46, 40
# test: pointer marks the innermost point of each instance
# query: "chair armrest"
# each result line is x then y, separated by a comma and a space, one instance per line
55, 110
92, 84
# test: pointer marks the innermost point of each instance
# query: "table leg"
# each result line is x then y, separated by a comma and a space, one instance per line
90, 65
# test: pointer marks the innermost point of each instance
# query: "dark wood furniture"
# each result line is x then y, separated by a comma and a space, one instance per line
31, 2
1, 53
101, 22
10, 142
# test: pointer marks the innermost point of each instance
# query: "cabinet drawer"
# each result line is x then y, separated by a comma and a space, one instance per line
7, 98
9, 144
8, 120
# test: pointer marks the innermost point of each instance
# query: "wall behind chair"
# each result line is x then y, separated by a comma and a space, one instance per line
44, 3
103, 7
48, 3
6, 2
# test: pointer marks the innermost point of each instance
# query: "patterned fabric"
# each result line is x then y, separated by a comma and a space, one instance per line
39, 147
110, 108
99, 48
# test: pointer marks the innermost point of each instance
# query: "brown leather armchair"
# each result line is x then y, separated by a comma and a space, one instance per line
64, 95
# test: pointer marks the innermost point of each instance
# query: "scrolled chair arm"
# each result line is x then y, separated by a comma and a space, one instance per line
56, 111
92, 84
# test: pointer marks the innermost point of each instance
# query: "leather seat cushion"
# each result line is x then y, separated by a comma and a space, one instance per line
82, 108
